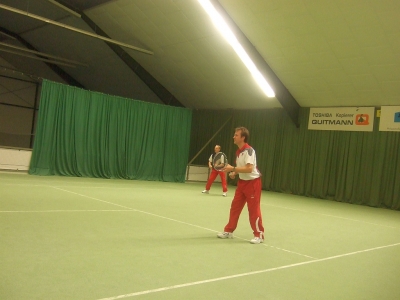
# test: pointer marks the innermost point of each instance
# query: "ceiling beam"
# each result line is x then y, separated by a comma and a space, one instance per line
70, 11
84, 32
48, 56
157, 88
37, 58
162, 93
60, 72
282, 94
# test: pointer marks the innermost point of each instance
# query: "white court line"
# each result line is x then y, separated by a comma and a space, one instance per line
244, 274
59, 210
283, 207
102, 187
74, 186
177, 221
291, 251
135, 210
14, 184
57, 188
332, 216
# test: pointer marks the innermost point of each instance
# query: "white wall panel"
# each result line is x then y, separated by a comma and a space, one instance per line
15, 159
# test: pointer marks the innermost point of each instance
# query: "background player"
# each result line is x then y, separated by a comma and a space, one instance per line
215, 173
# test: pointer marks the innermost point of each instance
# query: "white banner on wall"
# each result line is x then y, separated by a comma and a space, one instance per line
390, 118
342, 118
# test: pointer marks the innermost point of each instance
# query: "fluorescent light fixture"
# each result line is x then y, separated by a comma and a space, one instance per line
227, 33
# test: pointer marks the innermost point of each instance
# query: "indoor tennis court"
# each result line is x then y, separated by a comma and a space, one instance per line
116, 117
86, 238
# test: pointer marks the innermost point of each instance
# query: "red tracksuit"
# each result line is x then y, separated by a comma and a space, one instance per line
213, 175
247, 191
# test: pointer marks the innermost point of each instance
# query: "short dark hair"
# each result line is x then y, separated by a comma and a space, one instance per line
243, 132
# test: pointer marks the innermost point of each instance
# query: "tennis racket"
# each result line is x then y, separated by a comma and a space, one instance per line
220, 161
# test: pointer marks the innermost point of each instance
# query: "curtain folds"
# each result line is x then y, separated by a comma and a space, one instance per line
353, 167
83, 133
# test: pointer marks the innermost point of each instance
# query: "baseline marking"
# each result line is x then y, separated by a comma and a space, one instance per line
244, 274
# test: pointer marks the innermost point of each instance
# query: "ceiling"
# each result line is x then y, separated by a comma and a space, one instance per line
326, 53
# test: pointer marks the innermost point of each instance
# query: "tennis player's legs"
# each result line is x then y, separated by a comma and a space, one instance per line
253, 197
223, 181
238, 202
211, 179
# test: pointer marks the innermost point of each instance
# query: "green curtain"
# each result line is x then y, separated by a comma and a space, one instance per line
206, 123
84, 133
353, 167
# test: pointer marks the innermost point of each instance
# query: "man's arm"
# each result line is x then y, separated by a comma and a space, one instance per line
248, 168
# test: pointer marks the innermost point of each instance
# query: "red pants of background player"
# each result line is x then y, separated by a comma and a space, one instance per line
247, 191
213, 175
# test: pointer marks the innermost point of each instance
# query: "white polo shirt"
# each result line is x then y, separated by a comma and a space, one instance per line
247, 155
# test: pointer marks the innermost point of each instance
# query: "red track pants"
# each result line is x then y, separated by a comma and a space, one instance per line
247, 191
213, 175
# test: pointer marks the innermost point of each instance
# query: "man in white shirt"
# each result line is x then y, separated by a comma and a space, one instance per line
215, 173
248, 188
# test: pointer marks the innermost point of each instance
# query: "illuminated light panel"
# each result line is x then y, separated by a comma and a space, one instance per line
227, 33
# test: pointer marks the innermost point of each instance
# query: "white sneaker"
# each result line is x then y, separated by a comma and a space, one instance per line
224, 194
205, 192
225, 235
256, 240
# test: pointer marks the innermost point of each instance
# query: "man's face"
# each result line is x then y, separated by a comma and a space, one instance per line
216, 149
237, 137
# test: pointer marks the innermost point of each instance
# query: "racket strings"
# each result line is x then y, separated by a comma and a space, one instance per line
220, 161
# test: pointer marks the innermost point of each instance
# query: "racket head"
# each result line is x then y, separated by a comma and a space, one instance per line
220, 161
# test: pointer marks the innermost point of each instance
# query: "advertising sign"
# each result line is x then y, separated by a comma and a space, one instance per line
390, 118
342, 118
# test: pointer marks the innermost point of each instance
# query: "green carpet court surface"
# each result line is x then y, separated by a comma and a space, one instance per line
86, 238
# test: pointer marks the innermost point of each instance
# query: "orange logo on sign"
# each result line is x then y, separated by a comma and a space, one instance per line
362, 119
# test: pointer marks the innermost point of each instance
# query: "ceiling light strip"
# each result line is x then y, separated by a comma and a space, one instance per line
21, 12
227, 33
44, 54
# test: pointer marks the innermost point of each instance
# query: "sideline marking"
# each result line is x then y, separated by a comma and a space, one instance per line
244, 274
106, 187
174, 220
